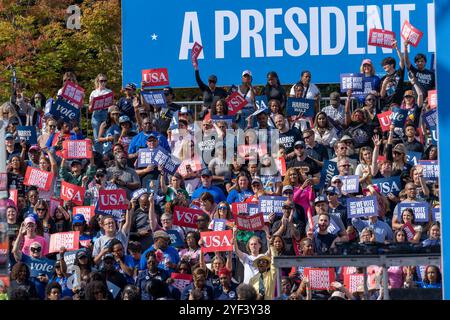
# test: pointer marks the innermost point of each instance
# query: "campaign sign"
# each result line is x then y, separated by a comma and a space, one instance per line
436, 214
434, 135
39, 266
77, 149
113, 289
385, 120
351, 81
320, 278
181, 280
38, 178
271, 204
27, 133
235, 102
72, 192
362, 207
388, 185
68, 240
333, 228
112, 199
245, 150
244, 208
430, 169
281, 165
217, 241
432, 99
261, 102
409, 230
410, 33
188, 166
61, 109
144, 158
54, 204
430, 118
170, 163
155, 77
155, 98
353, 281
381, 38
175, 238
186, 217
296, 106
195, 52
13, 195
350, 184
73, 93
219, 224
421, 210
87, 211
329, 170
3, 181
398, 117
413, 158
250, 223
228, 119
69, 257
103, 102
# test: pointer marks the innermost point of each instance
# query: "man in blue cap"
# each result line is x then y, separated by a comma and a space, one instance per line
79, 224
217, 193
140, 140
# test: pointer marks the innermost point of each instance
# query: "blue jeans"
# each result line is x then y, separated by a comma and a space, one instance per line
97, 118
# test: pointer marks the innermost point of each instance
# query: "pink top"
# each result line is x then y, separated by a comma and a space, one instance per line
304, 197
28, 241
395, 275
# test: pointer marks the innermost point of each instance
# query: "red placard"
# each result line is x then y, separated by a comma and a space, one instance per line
385, 120
185, 217
5, 280
216, 241
181, 280
245, 150
195, 52
320, 278
250, 223
77, 149
352, 281
72, 192
54, 203
235, 103
13, 195
112, 200
381, 38
281, 165
410, 33
69, 240
3, 181
239, 207
189, 165
87, 211
432, 99
409, 230
85, 243
103, 102
41, 179
155, 77
73, 92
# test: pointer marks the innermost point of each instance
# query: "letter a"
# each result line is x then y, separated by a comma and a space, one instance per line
190, 24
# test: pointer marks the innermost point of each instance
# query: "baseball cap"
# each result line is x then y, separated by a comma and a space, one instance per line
113, 108
130, 86
152, 135
299, 143
335, 96
256, 179
108, 256
35, 147
287, 188
366, 61
29, 220
320, 199
75, 161
332, 189
168, 90
212, 78
82, 253
335, 178
184, 110
408, 93
9, 136
247, 72
206, 172
78, 218
124, 119
160, 234
346, 137
400, 148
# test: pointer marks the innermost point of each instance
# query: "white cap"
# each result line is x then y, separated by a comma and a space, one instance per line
184, 110
247, 72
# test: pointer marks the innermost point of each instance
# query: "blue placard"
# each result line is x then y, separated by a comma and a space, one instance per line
436, 214
388, 185
219, 224
333, 228
175, 238
398, 117
353, 81
162, 157
261, 102
261, 36
420, 209
145, 157
61, 109
296, 106
39, 266
413, 158
329, 170
362, 207
174, 122
28, 133
228, 119
350, 184
271, 204
430, 118
113, 288
434, 135
252, 209
155, 98
430, 169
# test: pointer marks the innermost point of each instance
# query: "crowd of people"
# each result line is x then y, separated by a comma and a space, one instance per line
134, 254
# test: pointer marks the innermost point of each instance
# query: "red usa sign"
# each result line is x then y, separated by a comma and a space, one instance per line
73, 92
250, 223
38, 178
103, 102
185, 217
87, 211
214, 241
381, 38
69, 240
112, 200
155, 77
235, 103
432, 98
385, 120
412, 34
77, 149
72, 192
320, 278
181, 280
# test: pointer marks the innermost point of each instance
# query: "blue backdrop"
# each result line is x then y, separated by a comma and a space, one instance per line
327, 38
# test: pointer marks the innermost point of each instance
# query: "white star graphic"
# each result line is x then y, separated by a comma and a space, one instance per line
154, 36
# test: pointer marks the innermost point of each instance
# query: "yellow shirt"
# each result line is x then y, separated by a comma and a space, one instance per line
269, 279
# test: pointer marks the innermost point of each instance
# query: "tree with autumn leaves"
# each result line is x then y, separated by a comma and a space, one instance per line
35, 39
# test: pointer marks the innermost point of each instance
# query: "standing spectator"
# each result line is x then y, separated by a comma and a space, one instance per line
425, 77
211, 93
98, 116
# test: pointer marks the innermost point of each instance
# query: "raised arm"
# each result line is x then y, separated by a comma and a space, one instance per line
239, 253
399, 54
151, 214
17, 253
376, 150
347, 111
406, 55
127, 225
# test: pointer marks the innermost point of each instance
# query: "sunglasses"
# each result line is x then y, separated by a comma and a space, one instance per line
288, 192
41, 209
52, 126
397, 153
38, 249
103, 80
287, 208
200, 220
221, 208
370, 99
344, 165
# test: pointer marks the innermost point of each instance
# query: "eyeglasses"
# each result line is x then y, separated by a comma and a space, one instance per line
343, 148
37, 249
102, 80
52, 126
344, 165
337, 181
408, 97
41, 209
288, 192
299, 147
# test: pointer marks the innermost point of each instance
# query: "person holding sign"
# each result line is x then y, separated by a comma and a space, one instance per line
109, 130
408, 218
423, 191
381, 229
310, 91
393, 82
211, 93
336, 110
425, 78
